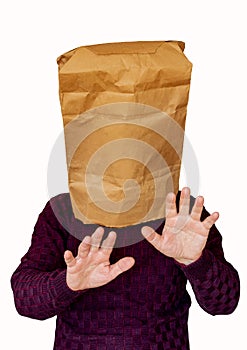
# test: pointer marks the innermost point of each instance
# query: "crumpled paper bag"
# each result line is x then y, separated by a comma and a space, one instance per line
124, 111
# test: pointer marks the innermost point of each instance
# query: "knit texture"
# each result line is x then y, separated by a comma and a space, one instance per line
142, 309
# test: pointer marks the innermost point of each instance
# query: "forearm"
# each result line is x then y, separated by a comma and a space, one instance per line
215, 283
41, 295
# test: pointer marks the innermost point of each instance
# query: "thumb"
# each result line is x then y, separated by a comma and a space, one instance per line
121, 266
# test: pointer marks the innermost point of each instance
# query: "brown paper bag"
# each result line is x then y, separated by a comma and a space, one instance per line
124, 111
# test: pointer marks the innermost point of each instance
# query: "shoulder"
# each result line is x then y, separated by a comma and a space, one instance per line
58, 211
61, 200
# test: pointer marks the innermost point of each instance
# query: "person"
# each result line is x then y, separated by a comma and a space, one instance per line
131, 297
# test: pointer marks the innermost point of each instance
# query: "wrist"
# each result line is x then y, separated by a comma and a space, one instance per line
187, 262
75, 287
61, 289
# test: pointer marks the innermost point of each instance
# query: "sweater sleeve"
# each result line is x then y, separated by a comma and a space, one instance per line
39, 282
214, 281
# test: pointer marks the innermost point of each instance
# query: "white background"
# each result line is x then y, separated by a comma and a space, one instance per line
33, 35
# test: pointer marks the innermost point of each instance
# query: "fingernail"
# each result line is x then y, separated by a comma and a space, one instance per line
186, 190
112, 232
146, 230
170, 195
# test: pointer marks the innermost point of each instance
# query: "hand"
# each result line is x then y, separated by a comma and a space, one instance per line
184, 236
91, 268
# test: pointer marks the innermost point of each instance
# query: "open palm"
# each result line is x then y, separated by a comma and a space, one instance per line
91, 267
184, 236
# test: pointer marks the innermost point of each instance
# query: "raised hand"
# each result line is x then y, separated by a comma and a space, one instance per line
184, 236
91, 267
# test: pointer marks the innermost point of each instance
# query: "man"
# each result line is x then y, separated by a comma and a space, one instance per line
133, 297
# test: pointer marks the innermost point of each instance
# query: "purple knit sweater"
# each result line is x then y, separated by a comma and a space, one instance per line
144, 308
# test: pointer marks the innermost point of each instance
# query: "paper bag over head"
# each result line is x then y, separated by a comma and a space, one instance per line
124, 110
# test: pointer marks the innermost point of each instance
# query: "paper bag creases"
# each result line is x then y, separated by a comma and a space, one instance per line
124, 111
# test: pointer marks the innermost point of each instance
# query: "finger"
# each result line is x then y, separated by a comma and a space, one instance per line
69, 258
121, 266
171, 209
197, 208
84, 247
210, 220
184, 203
108, 243
151, 236
96, 239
